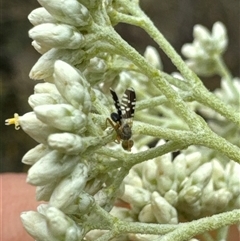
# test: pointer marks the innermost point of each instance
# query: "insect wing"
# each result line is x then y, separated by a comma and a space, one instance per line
128, 103
116, 103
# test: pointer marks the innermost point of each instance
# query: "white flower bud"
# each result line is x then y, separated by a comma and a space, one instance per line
189, 51
96, 65
153, 57
42, 208
67, 11
136, 196
62, 116
149, 176
218, 174
201, 33
202, 175
33, 155
74, 233
179, 165
44, 67
164, 173
85, 202
67, 143
67, 191
35, 128
58, 223
40, 15
232, 177
133, 179
236, 203
36, 225
172, 197
190, 195
73, 86
46, 88
43, 193
216, 201
50, 167
146, 215
122, 213
162, 210
57, 36
193, 161
142, 237
219, 36
44, 99
42, 49
205, 48
101, 198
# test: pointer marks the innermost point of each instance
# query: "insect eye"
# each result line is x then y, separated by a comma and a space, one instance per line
115, 117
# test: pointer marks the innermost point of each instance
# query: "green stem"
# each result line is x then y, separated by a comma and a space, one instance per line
208, 139
207, 98
202, 225
136, 227
174, 98
200, 91
159, 100
225, 73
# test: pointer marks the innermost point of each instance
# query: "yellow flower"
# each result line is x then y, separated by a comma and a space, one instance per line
13, 121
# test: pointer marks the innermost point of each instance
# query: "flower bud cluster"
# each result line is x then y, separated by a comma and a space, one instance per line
62, 119
230, 92
67, 171
205, 47
51, 224
161, 189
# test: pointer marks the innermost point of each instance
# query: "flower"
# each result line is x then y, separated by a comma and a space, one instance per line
74, 172
205, 48
159, 190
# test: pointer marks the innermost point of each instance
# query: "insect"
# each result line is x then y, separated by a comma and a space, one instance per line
123, 117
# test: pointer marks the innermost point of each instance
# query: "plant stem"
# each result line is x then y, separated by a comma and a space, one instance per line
202, 225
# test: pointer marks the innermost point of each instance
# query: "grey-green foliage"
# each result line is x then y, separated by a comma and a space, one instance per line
94, 189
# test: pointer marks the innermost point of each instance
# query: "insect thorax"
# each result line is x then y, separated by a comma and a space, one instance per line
125, 132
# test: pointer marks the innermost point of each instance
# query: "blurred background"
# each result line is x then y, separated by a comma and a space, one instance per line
174, 18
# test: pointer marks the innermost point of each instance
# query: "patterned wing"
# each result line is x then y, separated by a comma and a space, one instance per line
116, 103
128, 103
